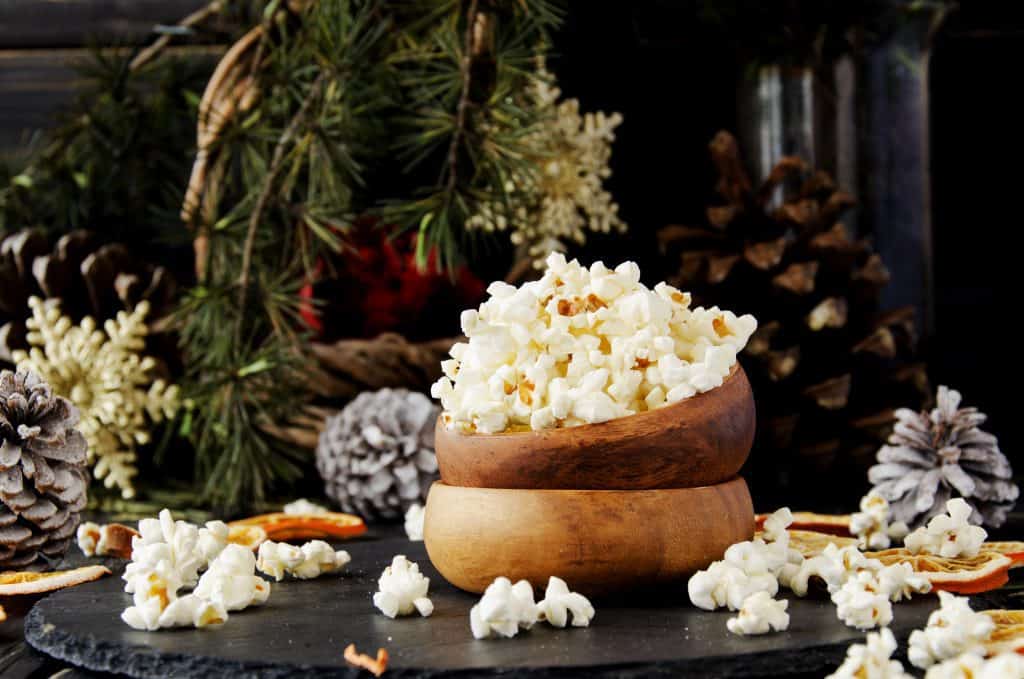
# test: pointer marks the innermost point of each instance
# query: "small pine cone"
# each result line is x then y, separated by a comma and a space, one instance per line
43, 479
89, 279
931, 457
376, 456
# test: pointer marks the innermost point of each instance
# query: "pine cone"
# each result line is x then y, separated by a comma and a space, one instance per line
43, 480
827, 367
89, 279
933, 456
376, 456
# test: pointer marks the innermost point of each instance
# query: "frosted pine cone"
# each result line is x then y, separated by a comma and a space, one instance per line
376, 456
42, 472
931, 457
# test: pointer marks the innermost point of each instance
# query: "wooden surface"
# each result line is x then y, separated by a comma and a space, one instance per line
601, 541
699, 441
305, 626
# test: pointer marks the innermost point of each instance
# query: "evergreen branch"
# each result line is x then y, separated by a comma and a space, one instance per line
194, 19
464, 102
268, 184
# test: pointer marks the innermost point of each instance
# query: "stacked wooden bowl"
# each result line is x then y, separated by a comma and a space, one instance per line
630, 503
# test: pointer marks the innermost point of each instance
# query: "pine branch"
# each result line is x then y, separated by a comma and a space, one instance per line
464, 102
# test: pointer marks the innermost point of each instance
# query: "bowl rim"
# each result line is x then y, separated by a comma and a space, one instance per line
735, 372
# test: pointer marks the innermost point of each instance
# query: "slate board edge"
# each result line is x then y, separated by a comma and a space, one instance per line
103, 656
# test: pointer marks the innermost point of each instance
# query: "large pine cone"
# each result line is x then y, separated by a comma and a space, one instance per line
827, 366
376, 456
43, 479
89, 279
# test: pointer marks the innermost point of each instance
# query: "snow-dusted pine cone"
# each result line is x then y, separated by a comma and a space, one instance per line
931, 457
43, 479
376, 456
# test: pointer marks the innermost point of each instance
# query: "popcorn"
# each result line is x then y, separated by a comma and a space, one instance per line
402, 589
303, 506
213, 538
165, 540
899, 581
759, 614
860, 603
89, 537
872, 660
871, 524
953, 629
503, 610
948, 535
558, 602
192, 610
231, 580
583, 346
414, 518
973, 666
726, 585
310, 561
152, 590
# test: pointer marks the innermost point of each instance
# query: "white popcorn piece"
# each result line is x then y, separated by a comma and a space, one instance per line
583, 346
503, 610
973, 666
899, 581
213, 538
834, 567
191, 610
871, 524
953, 629
402, 590
559, 602
948, 535
231, 580
164, 539
725, 585
154, 588
277, 559
861, 604
872, 660
88, 537
414, 519
760, 614
319, 558
304, 506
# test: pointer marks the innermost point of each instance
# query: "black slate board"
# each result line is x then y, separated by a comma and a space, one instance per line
304, 627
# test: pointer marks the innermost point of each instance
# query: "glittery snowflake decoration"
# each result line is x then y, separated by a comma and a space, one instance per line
103, 373
565, 196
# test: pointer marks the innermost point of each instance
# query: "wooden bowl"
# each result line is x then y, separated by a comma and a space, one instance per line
599, 541
699, 441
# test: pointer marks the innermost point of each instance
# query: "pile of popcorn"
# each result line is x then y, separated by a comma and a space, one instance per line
582, 346
949, 535
505, 609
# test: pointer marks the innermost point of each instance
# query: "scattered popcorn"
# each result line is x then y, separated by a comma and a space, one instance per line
948, 535
231, 580
900, 580
953, 629
189, 610
304, 507
759, 614
310, 561
503, 610
112, 539
153, 589
834, 566
972, 666
414, 522
89, 536
213, 538
872, 660
558, 602
169, 541
871, 524
583, 346
402, 589
860, 603
726, 585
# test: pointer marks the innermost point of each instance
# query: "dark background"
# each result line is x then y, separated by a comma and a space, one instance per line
676, 82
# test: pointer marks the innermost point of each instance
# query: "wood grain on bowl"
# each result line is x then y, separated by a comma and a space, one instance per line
599, 541
699, 441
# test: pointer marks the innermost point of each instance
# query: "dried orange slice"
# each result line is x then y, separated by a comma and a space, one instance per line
247, 536
962, 575
1008, 636
811, 543
29, 582
1014, 550
281, 526
830, 524
3, 614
